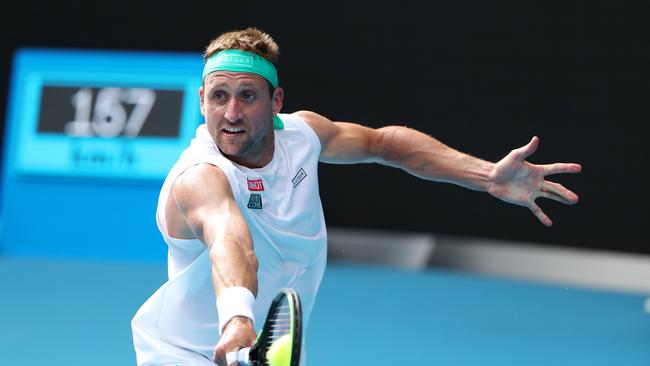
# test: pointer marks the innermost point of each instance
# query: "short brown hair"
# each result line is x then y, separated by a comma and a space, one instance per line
250, 39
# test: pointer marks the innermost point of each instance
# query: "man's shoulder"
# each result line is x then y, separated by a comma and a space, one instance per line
308, 117
201, 177
321, 126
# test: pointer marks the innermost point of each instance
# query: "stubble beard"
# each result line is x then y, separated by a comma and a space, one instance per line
248, 150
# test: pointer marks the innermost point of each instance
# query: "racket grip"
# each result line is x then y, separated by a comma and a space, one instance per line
241, 356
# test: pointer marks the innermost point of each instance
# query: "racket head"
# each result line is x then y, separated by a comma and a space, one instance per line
284, 318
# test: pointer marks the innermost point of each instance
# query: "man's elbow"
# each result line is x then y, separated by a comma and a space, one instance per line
386, 146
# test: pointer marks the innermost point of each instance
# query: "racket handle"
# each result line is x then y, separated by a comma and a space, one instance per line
241, 356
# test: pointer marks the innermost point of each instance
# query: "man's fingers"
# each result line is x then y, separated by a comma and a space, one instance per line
231, 358
557, 192
238, 334
226, 358
554, 197
525, 151
219, 359
541, 216
558, 168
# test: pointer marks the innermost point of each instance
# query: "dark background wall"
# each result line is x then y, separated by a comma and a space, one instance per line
481, 76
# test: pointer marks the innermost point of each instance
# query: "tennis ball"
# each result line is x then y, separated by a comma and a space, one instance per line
279, 354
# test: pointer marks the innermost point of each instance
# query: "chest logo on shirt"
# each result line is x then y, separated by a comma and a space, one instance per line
299, 177
255, 185
255, 201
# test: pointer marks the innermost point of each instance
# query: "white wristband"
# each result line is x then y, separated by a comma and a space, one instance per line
235, 301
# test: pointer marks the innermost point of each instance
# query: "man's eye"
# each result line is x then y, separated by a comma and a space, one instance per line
220, 96
248, 96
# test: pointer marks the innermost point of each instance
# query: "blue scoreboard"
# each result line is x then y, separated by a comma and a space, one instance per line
90, 136
101, 114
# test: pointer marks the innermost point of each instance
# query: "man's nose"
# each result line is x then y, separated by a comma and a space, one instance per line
233, 111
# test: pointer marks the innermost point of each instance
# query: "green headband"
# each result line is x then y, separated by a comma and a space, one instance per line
244, 61
241, 61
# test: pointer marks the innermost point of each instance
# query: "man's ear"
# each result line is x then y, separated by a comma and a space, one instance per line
201, 100
278, 100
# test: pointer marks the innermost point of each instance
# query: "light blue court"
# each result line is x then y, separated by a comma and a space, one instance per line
58, 312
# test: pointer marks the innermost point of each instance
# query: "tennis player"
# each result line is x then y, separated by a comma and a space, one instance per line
241, 212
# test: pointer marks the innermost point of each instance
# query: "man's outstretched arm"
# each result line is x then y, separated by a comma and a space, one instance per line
204, 197
512, 179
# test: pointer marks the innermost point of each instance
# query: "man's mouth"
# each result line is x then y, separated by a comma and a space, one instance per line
231, 131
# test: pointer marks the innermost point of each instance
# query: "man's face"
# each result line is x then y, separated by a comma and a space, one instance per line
238, 111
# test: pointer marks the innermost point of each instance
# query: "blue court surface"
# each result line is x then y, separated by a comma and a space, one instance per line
78, 313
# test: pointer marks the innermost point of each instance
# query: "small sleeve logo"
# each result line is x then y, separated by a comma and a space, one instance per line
299, 177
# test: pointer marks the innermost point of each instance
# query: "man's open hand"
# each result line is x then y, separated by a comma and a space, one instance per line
517, 181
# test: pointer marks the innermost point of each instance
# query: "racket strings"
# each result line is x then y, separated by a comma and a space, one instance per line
280, 321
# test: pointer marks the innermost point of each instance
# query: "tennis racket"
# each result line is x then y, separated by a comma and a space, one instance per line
284, 325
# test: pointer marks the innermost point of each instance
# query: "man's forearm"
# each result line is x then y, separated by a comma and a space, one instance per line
425, 157
233, 265
234, 275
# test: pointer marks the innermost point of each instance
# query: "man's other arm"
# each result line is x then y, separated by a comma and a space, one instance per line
512, 179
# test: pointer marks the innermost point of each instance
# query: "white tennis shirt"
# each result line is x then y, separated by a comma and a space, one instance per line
282, 207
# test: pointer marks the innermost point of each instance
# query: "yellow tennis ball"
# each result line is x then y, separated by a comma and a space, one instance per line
279, 354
